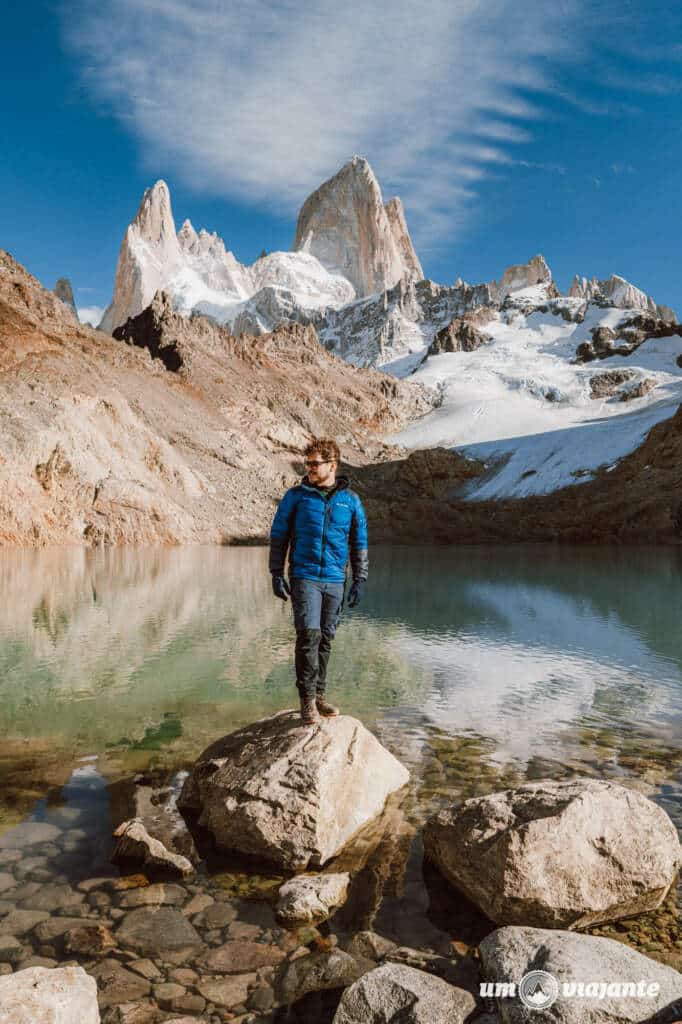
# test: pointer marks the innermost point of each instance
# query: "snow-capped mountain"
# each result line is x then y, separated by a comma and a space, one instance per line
543, 388
348, 244
547, 391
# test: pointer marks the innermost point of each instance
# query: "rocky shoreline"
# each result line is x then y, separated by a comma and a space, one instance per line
203, 948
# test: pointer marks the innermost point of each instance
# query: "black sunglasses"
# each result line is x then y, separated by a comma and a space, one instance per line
308, 462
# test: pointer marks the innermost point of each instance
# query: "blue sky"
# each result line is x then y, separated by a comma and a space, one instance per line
507, 128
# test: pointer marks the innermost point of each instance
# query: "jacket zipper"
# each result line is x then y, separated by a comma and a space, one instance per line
324, 530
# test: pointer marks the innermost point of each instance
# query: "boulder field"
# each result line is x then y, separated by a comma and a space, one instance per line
565, 853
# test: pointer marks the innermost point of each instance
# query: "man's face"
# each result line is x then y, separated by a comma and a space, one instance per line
320, 473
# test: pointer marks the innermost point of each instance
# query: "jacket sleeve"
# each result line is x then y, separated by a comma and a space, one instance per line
280, 533
358, 542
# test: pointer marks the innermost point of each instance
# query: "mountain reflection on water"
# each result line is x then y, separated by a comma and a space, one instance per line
147, 653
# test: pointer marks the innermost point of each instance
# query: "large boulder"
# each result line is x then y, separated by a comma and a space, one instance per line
40, 995
289, 794
396, 993
557, 854
587, 970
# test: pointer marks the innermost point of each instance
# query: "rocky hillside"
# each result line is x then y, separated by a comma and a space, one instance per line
180, 433
176, 431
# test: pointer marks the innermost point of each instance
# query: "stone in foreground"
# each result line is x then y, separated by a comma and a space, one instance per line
557, 854
577, 961
135, 843
394, 992
312, 897
289, 794
316, 972
154, 931
40, 995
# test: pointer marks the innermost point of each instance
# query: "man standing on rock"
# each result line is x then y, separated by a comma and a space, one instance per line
320, 522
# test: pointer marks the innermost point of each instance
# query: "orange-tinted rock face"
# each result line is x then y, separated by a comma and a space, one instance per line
345, 224
103, 443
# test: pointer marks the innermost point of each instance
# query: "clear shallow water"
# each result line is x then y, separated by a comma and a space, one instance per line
478, 667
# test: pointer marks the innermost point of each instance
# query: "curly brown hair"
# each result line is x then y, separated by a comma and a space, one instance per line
326, 447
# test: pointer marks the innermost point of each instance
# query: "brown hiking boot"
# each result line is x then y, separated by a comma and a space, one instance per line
325, 709
309, 715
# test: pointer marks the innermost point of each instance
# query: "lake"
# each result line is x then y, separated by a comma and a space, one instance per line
478, 667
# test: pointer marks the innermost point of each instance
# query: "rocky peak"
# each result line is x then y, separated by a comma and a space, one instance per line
616, 291
149, 252
154, 218
524, 275
187, 236
64, 292
346, 226
211, 242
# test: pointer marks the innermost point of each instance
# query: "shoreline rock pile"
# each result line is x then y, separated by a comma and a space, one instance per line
541, 860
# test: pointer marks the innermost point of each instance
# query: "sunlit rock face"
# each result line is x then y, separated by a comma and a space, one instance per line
586, 964
345, 224
301, 793
557, 854
616, 291
149, 252
39, 995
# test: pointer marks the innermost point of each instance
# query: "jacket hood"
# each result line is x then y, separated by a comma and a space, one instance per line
341, 482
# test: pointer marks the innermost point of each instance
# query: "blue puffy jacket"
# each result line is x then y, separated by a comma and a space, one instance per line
319, 531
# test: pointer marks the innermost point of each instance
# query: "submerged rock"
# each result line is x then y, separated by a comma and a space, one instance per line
156, 930
394, 992
580, 961
290, 794
116, 984
48, 996
227, 992
557, 854
137, 1013
135, 843
316, 972
312, 897
240, 957
28, 833
89, 940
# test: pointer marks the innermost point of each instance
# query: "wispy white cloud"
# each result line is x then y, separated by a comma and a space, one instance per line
261, 101
90, 314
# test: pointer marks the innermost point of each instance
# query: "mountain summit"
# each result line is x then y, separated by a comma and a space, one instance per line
346, 225
149, 254
348, 245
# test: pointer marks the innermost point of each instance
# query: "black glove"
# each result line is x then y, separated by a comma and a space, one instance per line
280, 587
355, 593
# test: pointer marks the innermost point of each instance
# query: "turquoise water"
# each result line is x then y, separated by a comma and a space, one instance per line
478, 667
